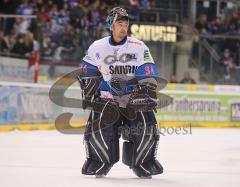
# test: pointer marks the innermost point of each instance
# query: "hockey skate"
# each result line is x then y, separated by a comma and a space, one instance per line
146, 170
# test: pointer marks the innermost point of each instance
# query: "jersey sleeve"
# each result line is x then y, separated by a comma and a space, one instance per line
147, 70
145, 56
90, 57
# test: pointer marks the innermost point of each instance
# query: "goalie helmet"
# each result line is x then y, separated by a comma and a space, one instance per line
116, 13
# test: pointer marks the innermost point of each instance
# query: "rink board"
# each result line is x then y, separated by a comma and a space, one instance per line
28, 107
29, 127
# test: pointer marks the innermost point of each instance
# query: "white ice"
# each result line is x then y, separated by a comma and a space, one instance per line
208, 157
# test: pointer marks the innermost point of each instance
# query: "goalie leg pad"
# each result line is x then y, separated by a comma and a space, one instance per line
94, 167
127, 153
102, 146
139, 151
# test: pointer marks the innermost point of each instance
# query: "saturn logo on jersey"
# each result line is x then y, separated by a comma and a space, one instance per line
127, 69
124, 58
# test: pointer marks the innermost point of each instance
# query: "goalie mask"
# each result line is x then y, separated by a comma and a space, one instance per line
116, 14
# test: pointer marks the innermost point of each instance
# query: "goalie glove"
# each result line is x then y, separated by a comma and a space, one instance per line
89, 79
143, 97
89, 85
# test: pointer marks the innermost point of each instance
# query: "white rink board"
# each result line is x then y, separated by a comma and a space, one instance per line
208, 157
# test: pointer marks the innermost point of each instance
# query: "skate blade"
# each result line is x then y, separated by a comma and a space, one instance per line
100, 176
146, 177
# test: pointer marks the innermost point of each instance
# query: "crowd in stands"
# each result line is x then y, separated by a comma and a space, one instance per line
223, 34
63, 29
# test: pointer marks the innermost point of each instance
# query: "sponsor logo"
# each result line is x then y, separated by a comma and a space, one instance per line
98, 56
115, 51
136, 43
127, 69
87, 58
147, 56
154, 33
235, 112
131, 57
124, 58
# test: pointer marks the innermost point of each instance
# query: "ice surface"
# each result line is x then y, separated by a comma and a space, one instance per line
208, 157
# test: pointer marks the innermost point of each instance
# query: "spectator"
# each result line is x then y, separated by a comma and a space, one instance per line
202, 23
56, 31
187, 79
238, 57
102, 10
134, 10
54, 13
11, 39
64, 14
144, 3
222, 33
71, 2
233, 25
3, 44
24, 45
227, 62
19, 47
39, 5
25, 8
102, 31
67, 27
84, 23
76, 13
217, 27
21, 25
28, 44
94, 14
43, 15
173, 79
